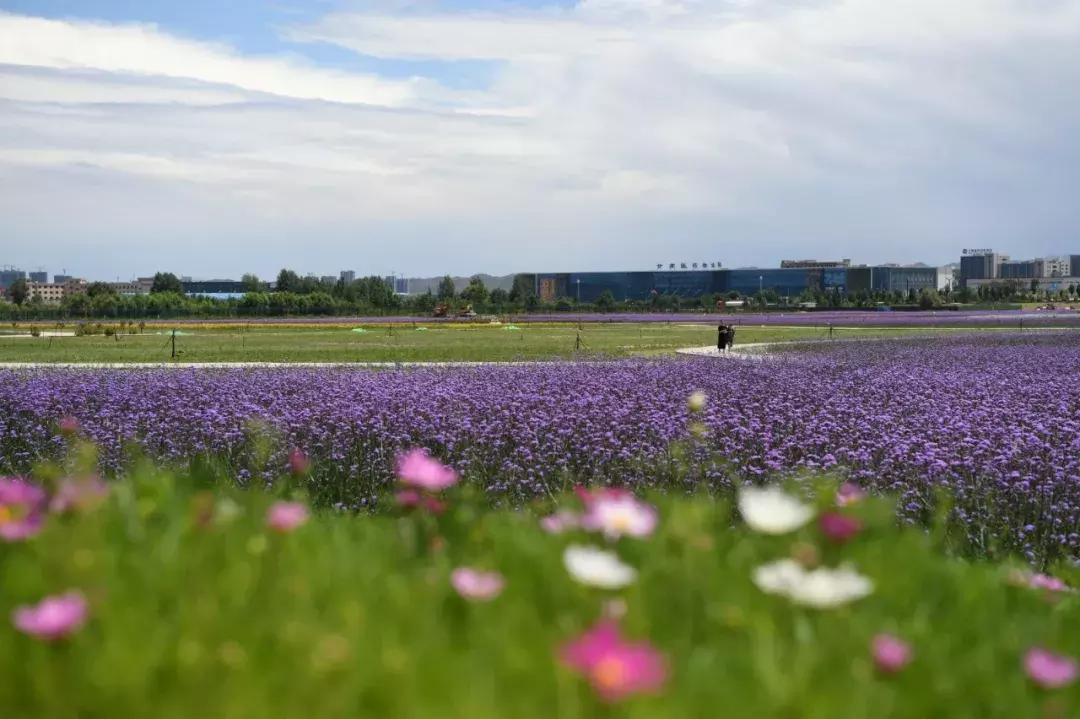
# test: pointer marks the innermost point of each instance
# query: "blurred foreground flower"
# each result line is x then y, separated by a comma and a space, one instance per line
22, 509
821, 588
411, 499
697, 401
839, 528
69, 426
597, 567
418, 469
1047, 582
891, 654
474, 584
562, 521
772, 511
1049, 670
849, 493
53, 618
299, 464
286, 516
615, 668
79, 494
617, 514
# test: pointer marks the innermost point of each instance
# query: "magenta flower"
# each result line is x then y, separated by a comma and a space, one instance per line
615, 668
79, 494
473, 584
69, 426
22, 509
299, 464
53, 618
891, 654
1049, 670
284, 517
418, 469
849, 493
839, 528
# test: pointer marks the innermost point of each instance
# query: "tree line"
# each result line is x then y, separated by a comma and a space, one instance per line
292, 294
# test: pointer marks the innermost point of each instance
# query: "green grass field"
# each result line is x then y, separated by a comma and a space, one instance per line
197, 609
240, 343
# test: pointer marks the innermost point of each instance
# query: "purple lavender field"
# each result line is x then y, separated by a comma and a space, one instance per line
993, 420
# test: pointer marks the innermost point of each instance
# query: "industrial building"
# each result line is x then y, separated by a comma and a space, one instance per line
52, 293
1022, 269
9, 276
986, 267
789, 282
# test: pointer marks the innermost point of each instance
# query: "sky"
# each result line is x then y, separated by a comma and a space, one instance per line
421, 137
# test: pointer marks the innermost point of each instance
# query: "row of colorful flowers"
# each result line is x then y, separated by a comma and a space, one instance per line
616, 667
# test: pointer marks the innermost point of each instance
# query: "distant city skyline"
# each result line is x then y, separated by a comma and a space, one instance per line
453, 136
351, 273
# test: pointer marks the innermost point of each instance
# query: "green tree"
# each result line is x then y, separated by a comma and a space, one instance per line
19, 291
476, 293
606, 301
100, 289
166, 282
523, 288
499, 297
446, 290
287, 281
251, 282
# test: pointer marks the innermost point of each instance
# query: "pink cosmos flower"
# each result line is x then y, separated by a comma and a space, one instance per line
286, 516
53, 618
298, 462
417, 468
473, 584
839, 528
79, 494
849, 493
22, 509
617, 514
562, 521
68, 426
615, 668
1049, 670
1045, 581
891, 654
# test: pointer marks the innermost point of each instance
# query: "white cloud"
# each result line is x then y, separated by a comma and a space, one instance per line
143, 50
612, 133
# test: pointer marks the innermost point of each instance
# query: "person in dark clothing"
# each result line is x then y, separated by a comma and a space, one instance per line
730, 336
722, 334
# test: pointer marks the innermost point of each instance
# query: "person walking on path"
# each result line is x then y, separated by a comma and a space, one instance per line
723, 338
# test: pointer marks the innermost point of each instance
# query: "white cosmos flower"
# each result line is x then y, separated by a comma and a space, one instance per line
821, 588
772, 511
826, 588
779, 577
597, 567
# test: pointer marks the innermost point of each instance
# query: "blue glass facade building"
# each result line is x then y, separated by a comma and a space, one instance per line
786, 282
